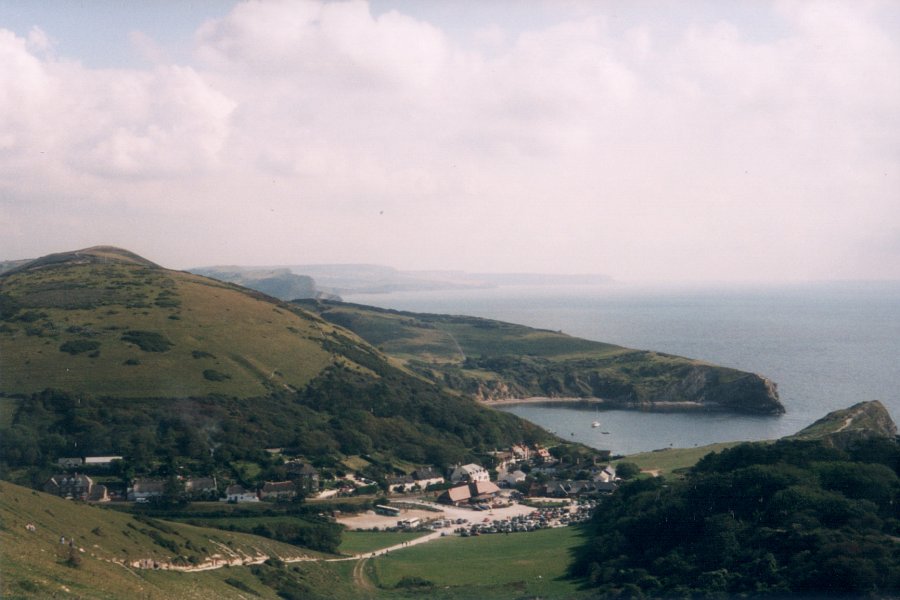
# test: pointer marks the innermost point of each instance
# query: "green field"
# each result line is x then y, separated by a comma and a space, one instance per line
667, 461
360, 542
525, 565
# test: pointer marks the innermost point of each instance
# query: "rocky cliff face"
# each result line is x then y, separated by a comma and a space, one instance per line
844, 427
701, 387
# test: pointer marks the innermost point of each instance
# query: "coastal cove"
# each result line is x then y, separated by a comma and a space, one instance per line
826, 346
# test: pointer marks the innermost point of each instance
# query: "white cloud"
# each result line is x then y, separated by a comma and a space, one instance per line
317, 131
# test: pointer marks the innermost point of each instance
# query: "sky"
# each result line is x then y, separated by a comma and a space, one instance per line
653, 141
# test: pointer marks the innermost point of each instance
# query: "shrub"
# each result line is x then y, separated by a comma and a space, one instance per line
213, 375
201, 354
148, 341
132, 362
79, 346
237, 583
413, 582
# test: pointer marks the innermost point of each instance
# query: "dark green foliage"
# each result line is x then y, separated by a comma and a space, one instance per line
321, 536
148, 341
785, 518
79, 346
627, 470
201, 354
413, 583
237, 583
132, 362
213, 375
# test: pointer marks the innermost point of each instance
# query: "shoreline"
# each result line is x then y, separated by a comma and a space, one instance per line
574, 402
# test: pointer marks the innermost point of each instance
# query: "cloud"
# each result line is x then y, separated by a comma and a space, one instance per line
308, 131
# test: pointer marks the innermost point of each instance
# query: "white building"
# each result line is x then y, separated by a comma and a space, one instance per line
236, 493
470, 472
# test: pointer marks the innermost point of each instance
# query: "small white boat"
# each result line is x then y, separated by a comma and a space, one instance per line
595, 424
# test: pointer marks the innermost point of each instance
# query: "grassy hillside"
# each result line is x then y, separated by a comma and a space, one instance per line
496, 360
34, 564
532, 565
129, 329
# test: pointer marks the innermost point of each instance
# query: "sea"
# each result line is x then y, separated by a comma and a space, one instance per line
826, 345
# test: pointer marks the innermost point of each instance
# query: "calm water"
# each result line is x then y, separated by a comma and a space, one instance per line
827, 347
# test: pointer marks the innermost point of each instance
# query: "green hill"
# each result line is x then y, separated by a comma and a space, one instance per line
51, 547
494, 360
106, 322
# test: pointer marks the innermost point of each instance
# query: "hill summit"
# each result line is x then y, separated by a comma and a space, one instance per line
107, 321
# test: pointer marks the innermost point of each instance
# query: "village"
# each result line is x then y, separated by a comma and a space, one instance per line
518, 489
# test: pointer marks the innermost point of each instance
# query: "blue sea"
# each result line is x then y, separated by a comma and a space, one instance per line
827, 346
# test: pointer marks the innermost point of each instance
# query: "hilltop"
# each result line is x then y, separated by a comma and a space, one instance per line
843, 428
496, 361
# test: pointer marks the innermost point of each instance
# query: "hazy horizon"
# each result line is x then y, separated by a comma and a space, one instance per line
698, 142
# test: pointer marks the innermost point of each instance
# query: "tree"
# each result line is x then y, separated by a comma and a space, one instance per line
627, 470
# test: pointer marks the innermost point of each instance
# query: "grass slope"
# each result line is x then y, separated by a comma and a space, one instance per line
129, 329
532, 565
36, 565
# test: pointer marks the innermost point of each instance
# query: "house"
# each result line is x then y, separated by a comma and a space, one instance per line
69, 463
278, 491
502, 460
563, 489
607, 474
470, 472
426, 477
521, 451
304, 474
477, 491
75, 487
102, 462
237, 493
200, 486
512, 478
99, 493
401, 483
456, 495
142, 489
544, 455
484, 491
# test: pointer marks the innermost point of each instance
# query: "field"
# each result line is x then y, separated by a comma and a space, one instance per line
667, 461
47, 559
360, 542
531, 565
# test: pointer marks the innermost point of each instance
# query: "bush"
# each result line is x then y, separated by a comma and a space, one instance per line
213, 375
237, 583
79, 346
148, 341
413, 582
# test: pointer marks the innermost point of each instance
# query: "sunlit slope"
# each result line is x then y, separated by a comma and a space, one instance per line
110, 324
101, 546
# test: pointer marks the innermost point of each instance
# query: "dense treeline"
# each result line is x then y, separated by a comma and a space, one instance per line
342, 412
757, 520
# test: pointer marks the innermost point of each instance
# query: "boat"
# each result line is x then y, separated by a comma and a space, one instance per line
595, 424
